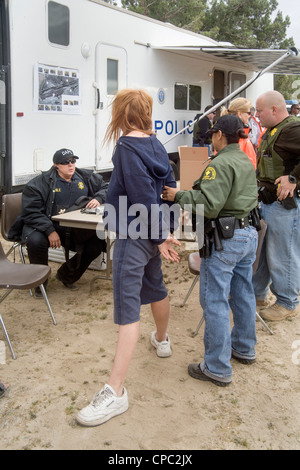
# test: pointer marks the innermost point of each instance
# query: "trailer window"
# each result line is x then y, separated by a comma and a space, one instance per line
187, 97
112, 76
194, 98
181, 93
58, 24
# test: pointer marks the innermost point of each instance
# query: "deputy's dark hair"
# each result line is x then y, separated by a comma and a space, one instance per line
234, 139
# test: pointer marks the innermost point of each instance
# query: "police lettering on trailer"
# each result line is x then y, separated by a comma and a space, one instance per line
172, 127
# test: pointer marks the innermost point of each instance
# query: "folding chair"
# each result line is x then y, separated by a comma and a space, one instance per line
11, 208
21, 276
194, 267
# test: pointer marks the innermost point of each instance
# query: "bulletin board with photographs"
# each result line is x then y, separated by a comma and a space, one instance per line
56, 90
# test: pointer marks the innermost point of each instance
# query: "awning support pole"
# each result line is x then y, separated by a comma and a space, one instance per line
236, 92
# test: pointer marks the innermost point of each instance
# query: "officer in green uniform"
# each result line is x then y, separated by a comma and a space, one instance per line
228, 192
278, 179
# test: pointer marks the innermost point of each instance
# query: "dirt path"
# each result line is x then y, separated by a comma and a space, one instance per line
59, 368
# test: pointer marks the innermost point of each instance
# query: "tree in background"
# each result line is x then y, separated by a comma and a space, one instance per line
288, 85
112, 2
244, 23
252, 24
185, 14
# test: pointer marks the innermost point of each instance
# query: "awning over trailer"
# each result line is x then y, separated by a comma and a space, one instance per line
255, 59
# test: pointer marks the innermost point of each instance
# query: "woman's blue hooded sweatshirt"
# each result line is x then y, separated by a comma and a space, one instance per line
134, 208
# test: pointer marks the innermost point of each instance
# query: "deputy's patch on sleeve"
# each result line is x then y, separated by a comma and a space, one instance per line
210, 173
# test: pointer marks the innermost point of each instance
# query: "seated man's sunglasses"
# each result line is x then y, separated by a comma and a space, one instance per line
71, 160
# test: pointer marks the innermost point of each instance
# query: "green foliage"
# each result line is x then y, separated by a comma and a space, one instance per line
185, 14
254, 24
244, 23
288, 85
111, 2
247, 23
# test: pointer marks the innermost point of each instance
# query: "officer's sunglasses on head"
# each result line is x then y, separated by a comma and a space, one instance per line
71, 160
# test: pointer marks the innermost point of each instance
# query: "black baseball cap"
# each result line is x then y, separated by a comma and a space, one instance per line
228, 125
63, 155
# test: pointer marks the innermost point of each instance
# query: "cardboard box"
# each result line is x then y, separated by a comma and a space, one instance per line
193, 161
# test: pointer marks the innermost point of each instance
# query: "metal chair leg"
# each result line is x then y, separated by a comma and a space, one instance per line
12, 248
264, 323
47, 302
258, 317
190, 290
23, 262
198, 327
7, 337
21, 254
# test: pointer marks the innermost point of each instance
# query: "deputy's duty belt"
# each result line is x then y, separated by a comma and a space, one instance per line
222, 228
242, 223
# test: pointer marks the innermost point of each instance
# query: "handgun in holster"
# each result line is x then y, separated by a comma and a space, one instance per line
205, 251
290, 202
266, 196
255, 218
211, 236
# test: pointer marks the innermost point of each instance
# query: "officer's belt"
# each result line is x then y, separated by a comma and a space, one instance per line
215, 230
242, 223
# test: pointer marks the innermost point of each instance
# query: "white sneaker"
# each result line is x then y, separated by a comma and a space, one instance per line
105, 405
163, 348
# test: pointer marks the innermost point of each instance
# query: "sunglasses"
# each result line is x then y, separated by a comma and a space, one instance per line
71, 160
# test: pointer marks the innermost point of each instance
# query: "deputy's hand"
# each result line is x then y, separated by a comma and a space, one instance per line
167, 251
285, 188
54, 240
169, 194
92, 204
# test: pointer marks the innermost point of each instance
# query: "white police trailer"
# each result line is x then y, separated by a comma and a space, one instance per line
62, 61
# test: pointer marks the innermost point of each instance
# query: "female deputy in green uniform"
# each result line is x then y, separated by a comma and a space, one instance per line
227, 191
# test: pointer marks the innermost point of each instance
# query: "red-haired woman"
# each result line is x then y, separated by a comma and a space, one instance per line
133, 202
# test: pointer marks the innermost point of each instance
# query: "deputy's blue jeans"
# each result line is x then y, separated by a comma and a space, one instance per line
279, 263
226, 282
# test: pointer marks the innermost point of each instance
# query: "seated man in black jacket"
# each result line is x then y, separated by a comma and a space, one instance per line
200, 136
54, 192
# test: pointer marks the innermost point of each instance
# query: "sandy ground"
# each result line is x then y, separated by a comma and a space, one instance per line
59, 368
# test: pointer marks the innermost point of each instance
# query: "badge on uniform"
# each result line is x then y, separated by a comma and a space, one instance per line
210, 173
273, 131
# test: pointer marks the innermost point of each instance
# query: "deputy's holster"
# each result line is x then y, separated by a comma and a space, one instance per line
266, 195
212, 236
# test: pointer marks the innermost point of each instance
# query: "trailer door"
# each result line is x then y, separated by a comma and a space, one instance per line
4, 167
2, 126
219, 86
111, 76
